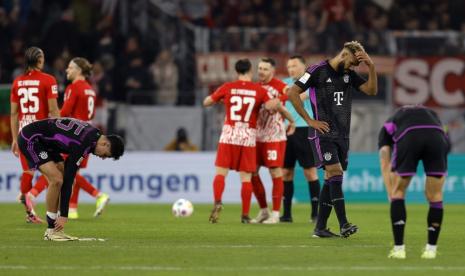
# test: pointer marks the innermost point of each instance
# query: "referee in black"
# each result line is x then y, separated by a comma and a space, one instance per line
298, 148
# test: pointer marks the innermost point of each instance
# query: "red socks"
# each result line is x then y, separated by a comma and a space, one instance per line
277, 193
278, 187
218, 187
26, 182
73, 201
246, 195
259, 191
82, 183
40, 185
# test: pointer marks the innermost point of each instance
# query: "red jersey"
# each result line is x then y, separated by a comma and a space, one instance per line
79, 101
271, 126
242, 101
31, 91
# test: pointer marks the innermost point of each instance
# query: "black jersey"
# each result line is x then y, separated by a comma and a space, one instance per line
406, 119
331, 96
49, 137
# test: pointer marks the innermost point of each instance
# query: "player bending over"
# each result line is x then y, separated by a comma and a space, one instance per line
412, 134
43, 142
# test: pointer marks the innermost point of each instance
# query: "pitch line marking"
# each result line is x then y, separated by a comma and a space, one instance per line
223, 268
200, 246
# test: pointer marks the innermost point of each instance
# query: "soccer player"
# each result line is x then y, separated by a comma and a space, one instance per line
331, 85
237, 146
271, 144
412, 134
43, 142
33, 97
79, 103
298, 148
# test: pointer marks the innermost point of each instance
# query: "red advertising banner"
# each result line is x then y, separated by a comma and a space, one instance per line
216, 68
430, 81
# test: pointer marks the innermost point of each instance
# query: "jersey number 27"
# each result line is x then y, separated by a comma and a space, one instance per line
236, 106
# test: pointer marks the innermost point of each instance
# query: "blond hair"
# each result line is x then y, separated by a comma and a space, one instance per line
84, 64
353, 46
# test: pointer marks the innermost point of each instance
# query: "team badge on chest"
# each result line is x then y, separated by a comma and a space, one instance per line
346, 78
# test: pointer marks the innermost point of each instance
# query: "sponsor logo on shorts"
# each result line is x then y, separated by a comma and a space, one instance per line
327, 156
43, 155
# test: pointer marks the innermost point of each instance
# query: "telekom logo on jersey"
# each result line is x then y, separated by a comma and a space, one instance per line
338, 97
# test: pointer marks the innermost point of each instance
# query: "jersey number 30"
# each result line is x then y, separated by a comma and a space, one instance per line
236, 107
29, 95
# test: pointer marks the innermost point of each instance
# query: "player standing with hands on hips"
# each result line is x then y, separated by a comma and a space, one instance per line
331, 85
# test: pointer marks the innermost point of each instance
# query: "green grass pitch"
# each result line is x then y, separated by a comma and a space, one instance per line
148, 240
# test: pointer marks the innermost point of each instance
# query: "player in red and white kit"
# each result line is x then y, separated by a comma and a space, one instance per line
33, 97
237, 146
271, 144
79, 103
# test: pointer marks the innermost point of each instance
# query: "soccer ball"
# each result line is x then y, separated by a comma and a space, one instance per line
182, 208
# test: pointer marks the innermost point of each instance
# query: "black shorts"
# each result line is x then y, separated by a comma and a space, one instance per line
331, 151
35, 151
298, 148
428, 145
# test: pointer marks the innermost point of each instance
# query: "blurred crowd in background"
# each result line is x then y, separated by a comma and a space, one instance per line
174, 52
322, 25
131, 60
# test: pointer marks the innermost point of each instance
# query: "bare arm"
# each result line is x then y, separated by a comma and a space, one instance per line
370, 87
283, 111
14, 128
208, 101
294, 97
385, 164
304, 96
53, 108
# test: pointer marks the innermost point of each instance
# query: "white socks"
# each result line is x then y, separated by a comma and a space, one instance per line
430, 247
52, 215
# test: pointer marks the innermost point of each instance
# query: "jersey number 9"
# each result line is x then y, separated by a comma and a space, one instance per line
90, 106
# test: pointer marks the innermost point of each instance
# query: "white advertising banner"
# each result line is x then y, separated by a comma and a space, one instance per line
141, 177
148, 129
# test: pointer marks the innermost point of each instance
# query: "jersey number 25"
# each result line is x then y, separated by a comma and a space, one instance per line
28, 95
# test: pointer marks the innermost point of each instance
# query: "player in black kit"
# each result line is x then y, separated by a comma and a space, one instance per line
412, 134
331, 85
43, 142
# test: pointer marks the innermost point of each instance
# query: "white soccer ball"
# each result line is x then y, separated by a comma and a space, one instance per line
182, 208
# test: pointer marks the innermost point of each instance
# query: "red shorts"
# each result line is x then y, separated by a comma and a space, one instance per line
83, 163
238, 158
271, 154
